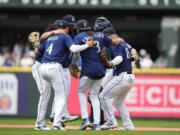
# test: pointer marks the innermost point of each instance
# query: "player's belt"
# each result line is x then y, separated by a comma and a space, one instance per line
127, 72
51, 63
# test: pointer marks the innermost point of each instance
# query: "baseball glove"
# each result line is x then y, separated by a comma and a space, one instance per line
104, 58
34, 39
74, 70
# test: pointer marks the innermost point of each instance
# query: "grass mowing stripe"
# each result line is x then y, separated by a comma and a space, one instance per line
137, 122
26, 131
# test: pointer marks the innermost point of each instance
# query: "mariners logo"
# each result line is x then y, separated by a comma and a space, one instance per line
85, 25
73, 19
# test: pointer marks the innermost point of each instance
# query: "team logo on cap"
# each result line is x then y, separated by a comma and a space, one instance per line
73, 20
84, 24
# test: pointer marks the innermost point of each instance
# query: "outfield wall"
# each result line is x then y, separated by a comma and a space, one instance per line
156, 93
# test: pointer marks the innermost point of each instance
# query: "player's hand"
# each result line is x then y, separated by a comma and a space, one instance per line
58, 31
90, 43
74, 70
133, 55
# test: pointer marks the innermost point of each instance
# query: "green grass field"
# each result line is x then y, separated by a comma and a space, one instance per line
137, 122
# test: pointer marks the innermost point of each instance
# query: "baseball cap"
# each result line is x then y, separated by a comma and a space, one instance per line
83, 25
61, 23
71, 19
108, 31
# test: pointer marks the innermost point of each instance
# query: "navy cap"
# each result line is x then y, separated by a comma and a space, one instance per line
61, 23
71, 19
83, 25
108, 31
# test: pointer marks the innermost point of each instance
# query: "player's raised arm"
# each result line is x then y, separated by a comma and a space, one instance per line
51, 30
115, 40
78, 48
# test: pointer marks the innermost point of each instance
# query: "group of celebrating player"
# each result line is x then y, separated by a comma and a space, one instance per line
106, 71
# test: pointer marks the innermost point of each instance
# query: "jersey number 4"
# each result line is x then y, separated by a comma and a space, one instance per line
49, 49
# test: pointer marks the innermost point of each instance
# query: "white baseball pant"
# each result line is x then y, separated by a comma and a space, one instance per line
108, 77
45, 92
67, 75
53, 73
94, 86
117, 89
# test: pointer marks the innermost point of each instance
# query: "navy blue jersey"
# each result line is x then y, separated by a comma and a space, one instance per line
73, 34
38, 57
56, 49
125, 65
92, 65
128, 46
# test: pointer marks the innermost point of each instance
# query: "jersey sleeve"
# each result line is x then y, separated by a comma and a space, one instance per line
129, 46
68, 40
41, 48
77, 41
107, 41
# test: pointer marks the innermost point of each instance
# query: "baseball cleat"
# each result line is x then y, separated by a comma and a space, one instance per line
108, 126
85, 124
69, 118
42, 128
127, 128
96, 127
58, 128
51, 120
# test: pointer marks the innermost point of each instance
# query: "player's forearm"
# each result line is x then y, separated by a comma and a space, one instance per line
36, 51
118, 41
46, 35
78, 48
75, 58
134, 55
117, 60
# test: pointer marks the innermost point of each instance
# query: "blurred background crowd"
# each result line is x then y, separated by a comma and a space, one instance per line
22, 54
154, 32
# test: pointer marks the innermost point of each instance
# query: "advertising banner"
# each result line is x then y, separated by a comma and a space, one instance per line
150, 96
8, 94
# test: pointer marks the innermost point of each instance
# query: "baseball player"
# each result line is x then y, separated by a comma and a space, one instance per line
72, 32
55, 50
119, 86
92, 71
43, 86
100, 24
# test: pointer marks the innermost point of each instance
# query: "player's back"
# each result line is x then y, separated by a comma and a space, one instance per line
92, 65
55, 49
125, 65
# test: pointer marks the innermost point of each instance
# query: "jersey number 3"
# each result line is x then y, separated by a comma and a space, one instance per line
98, 46
49, 50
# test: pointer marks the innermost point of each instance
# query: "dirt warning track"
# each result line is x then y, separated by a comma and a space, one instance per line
76, 127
